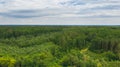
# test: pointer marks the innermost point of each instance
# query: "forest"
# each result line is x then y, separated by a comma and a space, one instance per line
59, 46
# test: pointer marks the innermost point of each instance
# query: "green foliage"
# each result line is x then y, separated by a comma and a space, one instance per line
7, 62
110, 56
59, 46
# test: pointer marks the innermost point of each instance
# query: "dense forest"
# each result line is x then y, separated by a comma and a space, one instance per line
59, 46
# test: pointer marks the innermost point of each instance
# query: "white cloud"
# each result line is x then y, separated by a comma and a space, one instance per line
39, 4
30, 4
47, 9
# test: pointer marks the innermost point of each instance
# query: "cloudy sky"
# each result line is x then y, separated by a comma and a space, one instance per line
60, 12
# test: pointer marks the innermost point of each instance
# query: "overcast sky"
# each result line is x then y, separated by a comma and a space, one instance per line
60, 12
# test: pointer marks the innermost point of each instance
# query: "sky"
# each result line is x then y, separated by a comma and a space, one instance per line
59, 12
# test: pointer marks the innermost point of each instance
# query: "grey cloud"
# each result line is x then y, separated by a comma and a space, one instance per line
30, 13
108, 7
26, 13
84, 2
12, 15
35, 13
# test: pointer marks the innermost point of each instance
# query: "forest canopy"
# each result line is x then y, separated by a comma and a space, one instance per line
59, 46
